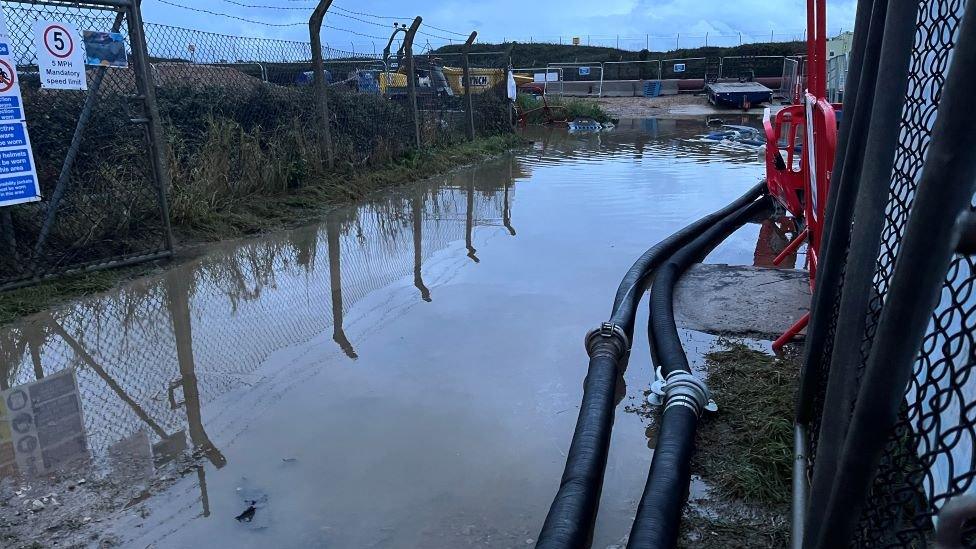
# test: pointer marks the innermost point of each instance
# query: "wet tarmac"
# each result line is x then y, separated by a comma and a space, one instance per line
405, 374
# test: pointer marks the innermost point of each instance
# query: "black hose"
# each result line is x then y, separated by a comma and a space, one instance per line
638, 278
569, 523
659, 513
572, 515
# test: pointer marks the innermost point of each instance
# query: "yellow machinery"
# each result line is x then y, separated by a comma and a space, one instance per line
481, 79
391, 80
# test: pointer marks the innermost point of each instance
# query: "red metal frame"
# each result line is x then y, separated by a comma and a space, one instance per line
554, 114
801, 185
787, 185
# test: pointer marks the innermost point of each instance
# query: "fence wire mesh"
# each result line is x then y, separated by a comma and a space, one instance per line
929, 458
109, 209
237, 117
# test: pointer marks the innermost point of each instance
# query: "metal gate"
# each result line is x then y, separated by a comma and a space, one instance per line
98, 152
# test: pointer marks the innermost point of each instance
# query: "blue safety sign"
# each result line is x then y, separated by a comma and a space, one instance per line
18, 173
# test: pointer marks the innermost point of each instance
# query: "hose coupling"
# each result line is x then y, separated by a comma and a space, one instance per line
681, 388
609, 339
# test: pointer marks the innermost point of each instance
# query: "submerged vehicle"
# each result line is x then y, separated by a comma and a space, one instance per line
739, 134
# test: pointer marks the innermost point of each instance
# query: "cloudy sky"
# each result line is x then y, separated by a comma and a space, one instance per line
658, 23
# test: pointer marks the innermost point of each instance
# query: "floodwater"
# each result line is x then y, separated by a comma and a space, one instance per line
405, 374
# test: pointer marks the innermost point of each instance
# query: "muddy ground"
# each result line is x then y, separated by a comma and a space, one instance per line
72, 509
682, 106
740, 488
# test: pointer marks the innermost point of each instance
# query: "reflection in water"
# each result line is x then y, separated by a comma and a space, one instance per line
332, 236
774, 235
178, 295
469, 220
416, 214
136, 353
639, 139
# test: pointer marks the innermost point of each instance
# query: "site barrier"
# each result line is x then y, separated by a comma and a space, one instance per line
603, 78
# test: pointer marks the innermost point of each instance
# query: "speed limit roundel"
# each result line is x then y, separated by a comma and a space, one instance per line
58, 41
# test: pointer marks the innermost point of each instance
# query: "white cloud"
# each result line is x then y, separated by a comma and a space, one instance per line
657, 20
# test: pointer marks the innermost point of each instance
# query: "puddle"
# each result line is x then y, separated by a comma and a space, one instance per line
405, 374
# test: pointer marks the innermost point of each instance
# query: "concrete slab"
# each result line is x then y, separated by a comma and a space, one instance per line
740, 300
669, 87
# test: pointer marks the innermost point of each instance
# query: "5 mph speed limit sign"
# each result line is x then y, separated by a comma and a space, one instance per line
60, 59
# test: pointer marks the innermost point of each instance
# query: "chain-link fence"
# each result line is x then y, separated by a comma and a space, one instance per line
887, 393
441, 96
233, 116
102, 185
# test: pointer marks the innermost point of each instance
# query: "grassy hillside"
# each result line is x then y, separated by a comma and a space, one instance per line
535, 55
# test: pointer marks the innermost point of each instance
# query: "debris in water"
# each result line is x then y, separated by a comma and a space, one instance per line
254, 500
248, 514
588, 125
36, 505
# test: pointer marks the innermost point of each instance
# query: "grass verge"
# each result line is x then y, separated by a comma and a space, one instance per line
260, 211
745, 451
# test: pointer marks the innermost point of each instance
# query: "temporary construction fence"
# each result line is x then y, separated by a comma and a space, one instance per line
886, 447
632, 70
584, 79
781, 72
750, 66
789, 88
197, 113
836, 77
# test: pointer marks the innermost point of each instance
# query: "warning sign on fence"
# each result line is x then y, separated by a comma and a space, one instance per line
18, 176
60, 59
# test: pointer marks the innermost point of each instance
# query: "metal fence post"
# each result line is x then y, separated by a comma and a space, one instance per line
412, 77
154, 129
319, 84
468, 100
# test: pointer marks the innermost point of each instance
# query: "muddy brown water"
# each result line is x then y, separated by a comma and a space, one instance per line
405, 374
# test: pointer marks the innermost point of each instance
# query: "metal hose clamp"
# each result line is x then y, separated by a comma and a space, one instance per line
681, 388
607, 332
